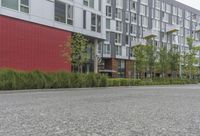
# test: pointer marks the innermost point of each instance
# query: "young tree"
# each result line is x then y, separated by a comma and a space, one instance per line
174, 60
151, 56
163, 61
190, 58
79, 53
140, 56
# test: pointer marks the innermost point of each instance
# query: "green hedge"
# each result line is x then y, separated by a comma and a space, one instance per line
138, 82
15, 80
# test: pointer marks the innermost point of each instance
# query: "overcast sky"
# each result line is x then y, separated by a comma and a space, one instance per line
192, 3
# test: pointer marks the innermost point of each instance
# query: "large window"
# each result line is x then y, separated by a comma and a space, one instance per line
13, 4
60, 11
95, 23
63, 12
22, 5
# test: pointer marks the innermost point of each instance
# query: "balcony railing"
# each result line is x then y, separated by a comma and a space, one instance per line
172, 28
138, 41
150, 34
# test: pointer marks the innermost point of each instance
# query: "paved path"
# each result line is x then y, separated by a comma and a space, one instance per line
137, 111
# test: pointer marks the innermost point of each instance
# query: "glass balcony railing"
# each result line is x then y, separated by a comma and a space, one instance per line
138, 41
150, 34
172, 28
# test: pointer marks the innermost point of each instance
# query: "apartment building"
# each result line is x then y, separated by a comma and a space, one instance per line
141, 22
32, 30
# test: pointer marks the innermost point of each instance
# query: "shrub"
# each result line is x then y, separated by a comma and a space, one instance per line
15, 80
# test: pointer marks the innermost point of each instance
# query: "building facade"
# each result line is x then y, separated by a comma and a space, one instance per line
32, 30
141, 22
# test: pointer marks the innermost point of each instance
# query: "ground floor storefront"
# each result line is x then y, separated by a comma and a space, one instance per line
117, 68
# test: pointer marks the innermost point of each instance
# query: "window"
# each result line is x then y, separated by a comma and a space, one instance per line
98, 23
92, 3
127, 16
108, 1
108, 36
168, 8
133, 17
100, 2
108, 11
157, 4
89, 3
118, 38
180, 12
133, 5
118, 50
142, 10
174, 20
133, 29
14, 4
60, 11
127, 39
106, 49
86, 2
118, 26
127, 51
127, 27
175, 11
63, 14
145, 21
107, 23
24, 6
157, 14
121, 68
84, 19
163, 6
95, 23
118, 13
70, 15
119, 3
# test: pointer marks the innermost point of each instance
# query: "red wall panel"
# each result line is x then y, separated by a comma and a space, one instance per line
28, 46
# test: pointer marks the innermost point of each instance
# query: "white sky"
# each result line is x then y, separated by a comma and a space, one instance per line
192, 3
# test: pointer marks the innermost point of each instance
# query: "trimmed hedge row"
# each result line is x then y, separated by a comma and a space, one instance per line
14, 80
138, 82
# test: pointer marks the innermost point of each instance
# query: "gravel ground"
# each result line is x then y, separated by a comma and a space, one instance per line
134, 111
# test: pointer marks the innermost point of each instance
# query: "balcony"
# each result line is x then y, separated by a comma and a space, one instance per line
138, 41
150, 34
172, 28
